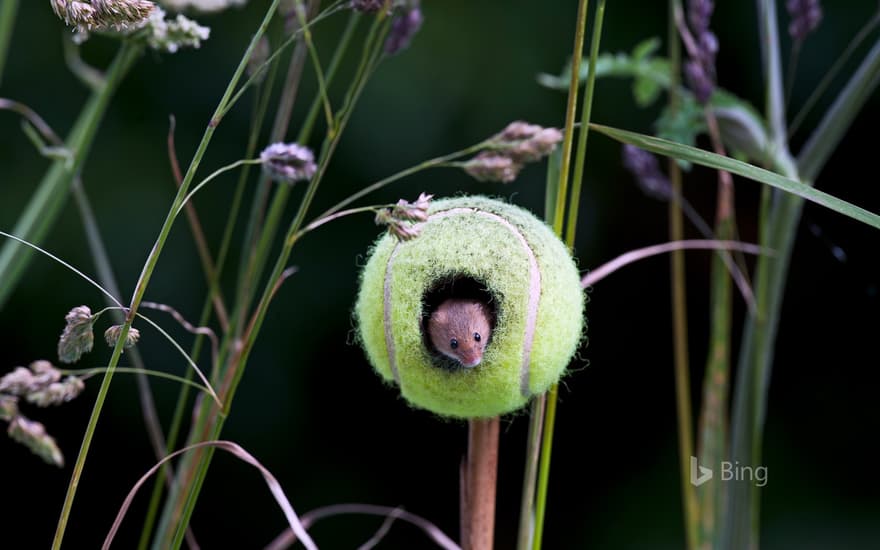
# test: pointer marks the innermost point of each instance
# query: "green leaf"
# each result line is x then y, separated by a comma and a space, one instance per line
650, 73
684, 124
719, 162
743, 130
646, 48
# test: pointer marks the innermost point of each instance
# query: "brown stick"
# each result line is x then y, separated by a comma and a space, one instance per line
478, 482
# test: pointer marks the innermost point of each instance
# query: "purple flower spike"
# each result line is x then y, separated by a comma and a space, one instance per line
805, 17
403, 28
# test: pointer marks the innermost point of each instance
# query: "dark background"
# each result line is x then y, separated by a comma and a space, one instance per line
311, 409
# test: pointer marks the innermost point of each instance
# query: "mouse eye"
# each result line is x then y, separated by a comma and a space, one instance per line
453, 343
477, 336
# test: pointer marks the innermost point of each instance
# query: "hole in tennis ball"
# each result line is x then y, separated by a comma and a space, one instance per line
460, 287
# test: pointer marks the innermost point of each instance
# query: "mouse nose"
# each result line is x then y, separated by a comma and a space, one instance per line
471, 359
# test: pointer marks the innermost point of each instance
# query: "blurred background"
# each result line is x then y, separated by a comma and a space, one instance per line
310, 407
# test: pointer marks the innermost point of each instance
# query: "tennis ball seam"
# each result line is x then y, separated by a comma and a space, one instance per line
473, 245
534, 288
531, 307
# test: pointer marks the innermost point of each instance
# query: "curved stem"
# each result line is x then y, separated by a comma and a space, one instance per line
235, 369
437, 162
46, 203
144, 280
213, 175
88, 373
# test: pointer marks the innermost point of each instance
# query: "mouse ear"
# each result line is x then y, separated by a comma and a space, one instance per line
536, 296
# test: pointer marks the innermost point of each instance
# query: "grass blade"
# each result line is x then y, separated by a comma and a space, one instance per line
711, 160
50, 196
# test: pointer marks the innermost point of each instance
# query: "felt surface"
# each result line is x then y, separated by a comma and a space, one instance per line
464, 238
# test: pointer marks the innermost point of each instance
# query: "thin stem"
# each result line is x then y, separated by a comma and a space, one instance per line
33, 118
341, 47
774, 88
544, 468
105, 273
65, 264
539, 403
232, 375
88, 75
558, 228
214, 174
195, 226
256, 228
88, 373
253, 269
316, 61
45, 204
829, 77
570, 114
255, 76
257, 117
740, 523
143, 282
7, 24
341, 214
432, 163
837, 120
530, 476
681, 358
584, 132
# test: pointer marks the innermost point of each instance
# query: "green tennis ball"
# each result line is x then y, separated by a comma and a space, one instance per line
525, 273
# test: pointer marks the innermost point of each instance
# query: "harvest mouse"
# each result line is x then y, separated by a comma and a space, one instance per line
460, 329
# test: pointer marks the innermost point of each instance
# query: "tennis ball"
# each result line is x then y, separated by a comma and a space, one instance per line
480, 247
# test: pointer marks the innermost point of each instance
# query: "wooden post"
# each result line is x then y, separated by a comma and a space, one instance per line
478, 481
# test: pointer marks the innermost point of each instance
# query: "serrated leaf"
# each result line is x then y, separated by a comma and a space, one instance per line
719, 162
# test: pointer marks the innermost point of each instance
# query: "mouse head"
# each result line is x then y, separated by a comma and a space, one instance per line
460, 329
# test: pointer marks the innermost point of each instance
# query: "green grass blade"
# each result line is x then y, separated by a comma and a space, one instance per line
720, 162
7, 23
713, 414
50, 196
840, 116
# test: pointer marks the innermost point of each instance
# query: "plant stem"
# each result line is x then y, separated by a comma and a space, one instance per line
45, 205
839, 62
279, 128
144, 279
570, 114
584, 131
559, 225
257, 117
108, 280
176, 501
7, 24
827, 135
233, 374
679, 302
539, 403
544, 468
740, 527
432, 163
479, 478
